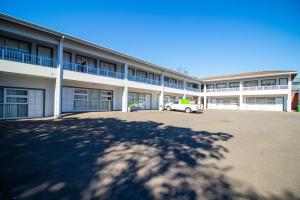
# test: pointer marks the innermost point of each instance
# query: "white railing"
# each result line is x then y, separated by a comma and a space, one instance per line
18, 56
143, 80
269, 87
92, 70
223, 89
172, 85
192, 89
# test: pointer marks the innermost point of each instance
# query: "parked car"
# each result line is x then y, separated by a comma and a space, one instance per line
184, 105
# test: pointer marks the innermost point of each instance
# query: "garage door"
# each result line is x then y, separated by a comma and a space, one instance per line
223, 103
20, 103
265, 103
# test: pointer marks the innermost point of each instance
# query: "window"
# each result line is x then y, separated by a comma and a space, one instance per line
270, 100
260, 100
210, 86
46, 52
268, 82
82, 60
15, 45
250, 83
108, 66
250, 100
131, 71
141, 73
283, 81
67, 57
234, 85
80, 94
221, 85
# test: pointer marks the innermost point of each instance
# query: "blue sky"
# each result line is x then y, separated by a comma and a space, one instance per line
205, 37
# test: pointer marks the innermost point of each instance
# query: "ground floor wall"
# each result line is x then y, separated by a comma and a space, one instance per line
251, 102
28, 82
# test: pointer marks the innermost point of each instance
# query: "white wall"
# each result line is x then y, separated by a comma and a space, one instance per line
48, 85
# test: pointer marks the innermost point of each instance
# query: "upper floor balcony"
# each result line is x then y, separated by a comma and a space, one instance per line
18, 56
92, 70
268, 87
143, 80
172, 85
193, 89
223, 89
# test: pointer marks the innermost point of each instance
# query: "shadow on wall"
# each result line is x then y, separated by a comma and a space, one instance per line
108, 158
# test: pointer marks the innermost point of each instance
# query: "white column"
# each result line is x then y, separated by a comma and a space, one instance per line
241, 107
161, 96
59, 79
125, 89
289, 99
204, 97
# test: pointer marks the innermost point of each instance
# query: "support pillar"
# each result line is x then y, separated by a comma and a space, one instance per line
289, 98
204, 97
125, 89
59, 80
161, 96
241, 106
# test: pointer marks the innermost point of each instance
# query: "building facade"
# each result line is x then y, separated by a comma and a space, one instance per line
46, 73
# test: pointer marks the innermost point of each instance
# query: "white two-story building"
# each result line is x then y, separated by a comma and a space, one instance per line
45, 73
262, 90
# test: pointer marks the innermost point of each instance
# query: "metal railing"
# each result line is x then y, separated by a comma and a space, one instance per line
172, 85
223, 89
143, 80
269, 87
92, 70
18, 56
192, 89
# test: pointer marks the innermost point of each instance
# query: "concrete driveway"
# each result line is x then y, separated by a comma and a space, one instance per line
152, 155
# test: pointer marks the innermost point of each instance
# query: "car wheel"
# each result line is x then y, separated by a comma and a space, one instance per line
169, 108
188, 110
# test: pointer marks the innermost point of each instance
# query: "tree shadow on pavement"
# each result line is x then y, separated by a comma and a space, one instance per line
109, 158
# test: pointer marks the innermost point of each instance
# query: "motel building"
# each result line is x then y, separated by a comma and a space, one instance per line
46, 73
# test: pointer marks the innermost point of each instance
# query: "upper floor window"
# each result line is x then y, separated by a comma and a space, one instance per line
131, 71
67, 57
15, 45
268, 82
141, 73
251, 83
283, 81
221, 85
210, 86
234, 84
108, 66
83, 60
154, 76
192, 85
43, 51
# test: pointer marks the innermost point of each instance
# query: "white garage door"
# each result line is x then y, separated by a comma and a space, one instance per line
223, 103
21, 103
265, 103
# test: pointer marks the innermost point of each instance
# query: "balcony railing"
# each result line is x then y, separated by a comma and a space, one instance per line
143, 80
92, 70
172, 85
17, 56
269, 87
192, 89
223, 89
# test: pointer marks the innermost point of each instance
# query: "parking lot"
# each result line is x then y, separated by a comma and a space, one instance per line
152, 155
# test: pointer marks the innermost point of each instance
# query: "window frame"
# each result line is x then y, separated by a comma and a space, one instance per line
287, 81
261, 82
